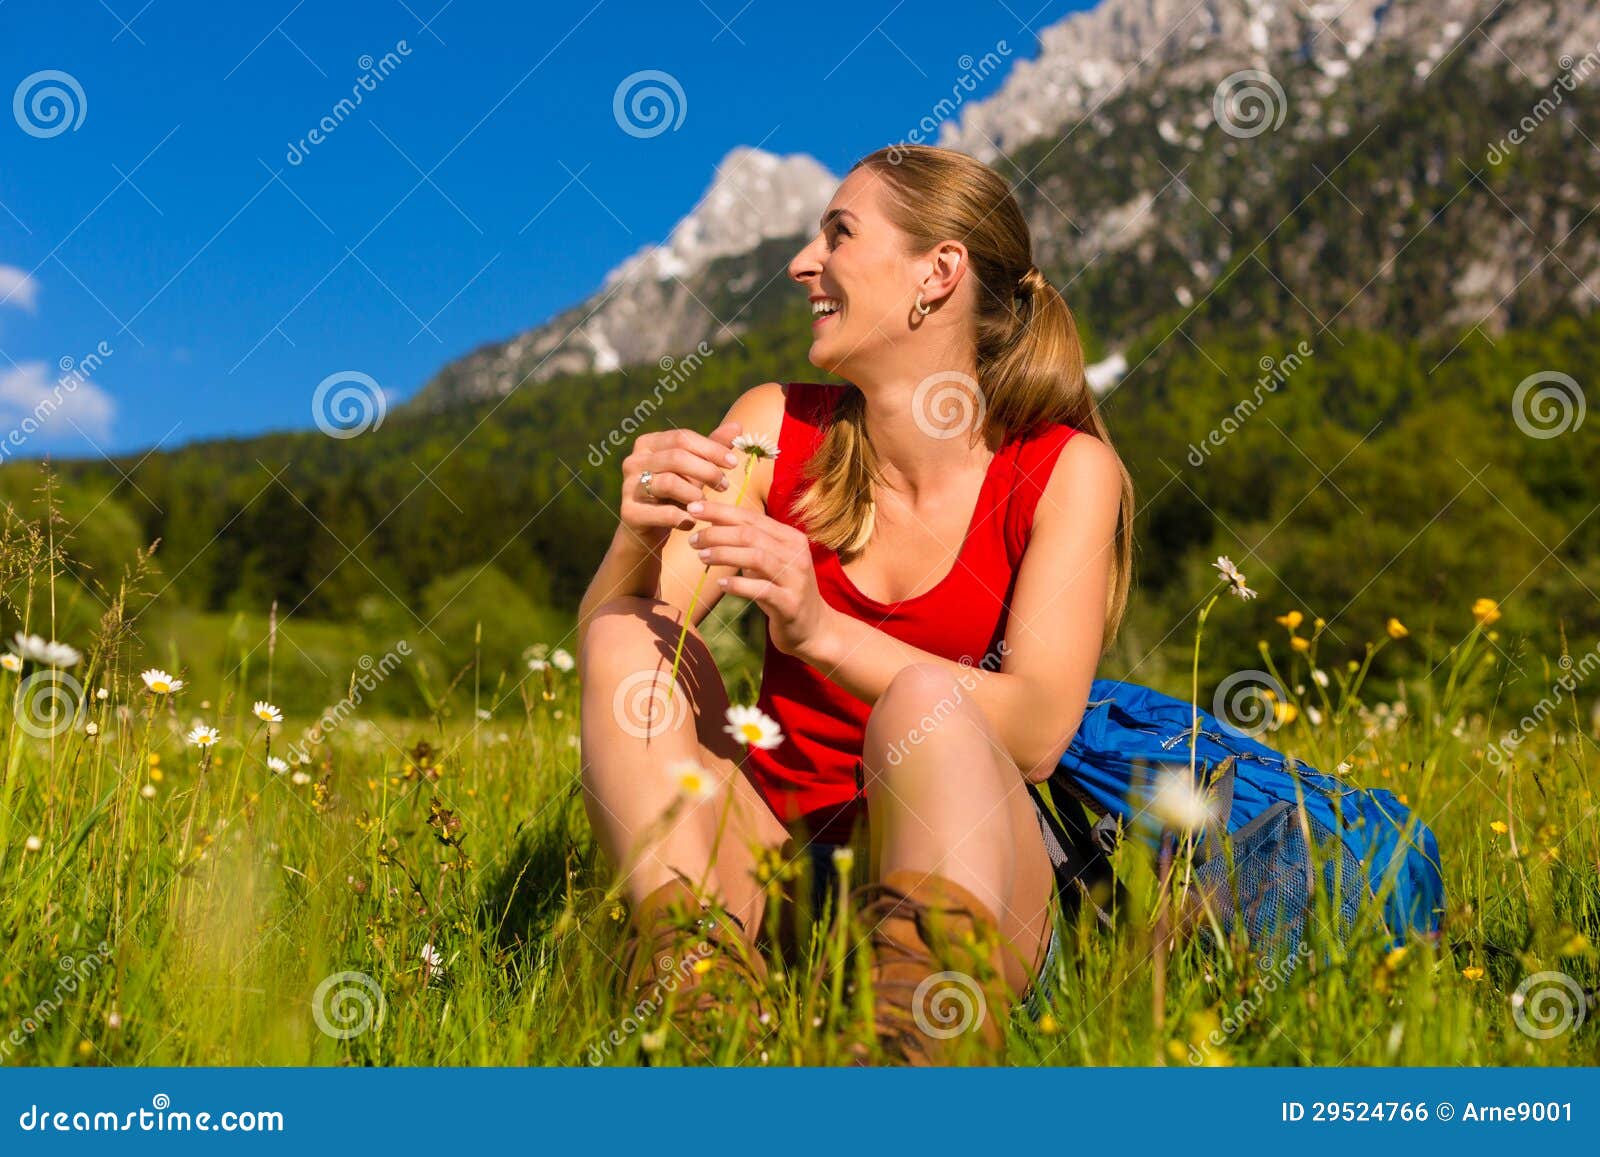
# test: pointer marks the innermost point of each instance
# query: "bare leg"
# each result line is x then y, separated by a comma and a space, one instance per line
630, 737
948, 799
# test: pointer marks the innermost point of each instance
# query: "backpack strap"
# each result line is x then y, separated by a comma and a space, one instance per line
1219, 784
1077, 857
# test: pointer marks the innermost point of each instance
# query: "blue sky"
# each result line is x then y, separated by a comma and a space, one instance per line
482, 183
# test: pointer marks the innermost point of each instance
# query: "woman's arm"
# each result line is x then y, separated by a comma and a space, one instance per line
1056, 627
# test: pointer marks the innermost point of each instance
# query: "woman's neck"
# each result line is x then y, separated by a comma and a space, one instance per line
922, 430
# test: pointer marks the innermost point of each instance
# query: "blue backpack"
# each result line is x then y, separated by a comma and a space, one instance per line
1283, 817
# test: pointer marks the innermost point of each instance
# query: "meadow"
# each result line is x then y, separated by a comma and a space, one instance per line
189, 877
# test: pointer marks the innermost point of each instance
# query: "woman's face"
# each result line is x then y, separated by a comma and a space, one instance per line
856, 271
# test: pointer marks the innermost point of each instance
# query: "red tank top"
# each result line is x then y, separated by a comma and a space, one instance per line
814, 774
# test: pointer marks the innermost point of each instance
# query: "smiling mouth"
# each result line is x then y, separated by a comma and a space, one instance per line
824, 308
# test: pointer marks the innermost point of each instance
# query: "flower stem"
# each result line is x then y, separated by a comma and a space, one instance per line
688, 615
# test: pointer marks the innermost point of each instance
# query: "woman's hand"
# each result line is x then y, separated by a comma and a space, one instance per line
776, 572
680, 463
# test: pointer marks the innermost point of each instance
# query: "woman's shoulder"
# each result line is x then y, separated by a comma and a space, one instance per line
812, 402
1041, 446
1056, 466
1059, 451
763, 409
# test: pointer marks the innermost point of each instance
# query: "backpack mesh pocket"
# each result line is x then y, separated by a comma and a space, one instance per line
1272, 885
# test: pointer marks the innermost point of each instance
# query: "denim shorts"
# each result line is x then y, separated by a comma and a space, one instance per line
825, 883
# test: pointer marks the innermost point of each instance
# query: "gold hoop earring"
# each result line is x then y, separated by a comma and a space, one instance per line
924, 310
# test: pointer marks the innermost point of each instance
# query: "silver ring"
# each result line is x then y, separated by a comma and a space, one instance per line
644, 481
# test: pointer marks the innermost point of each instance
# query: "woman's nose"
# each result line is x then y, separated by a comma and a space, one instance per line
804, 264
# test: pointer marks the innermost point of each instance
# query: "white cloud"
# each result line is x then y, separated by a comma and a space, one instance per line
38, 411
17, 288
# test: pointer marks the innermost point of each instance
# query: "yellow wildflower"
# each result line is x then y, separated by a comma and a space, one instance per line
1292, 620
1486, 611
1396, 629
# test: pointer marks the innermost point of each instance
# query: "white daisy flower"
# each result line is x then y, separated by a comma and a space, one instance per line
432, 959
537, 664
561, 660
276, 765
159, 682
203, 736
299, 779
148, 791
103, 693
693, 781
46, 651
1235, 579
11, 662
32, 844
753, 727
1319, 676
91, 728
266, 712
1180, 805
755, 445
483, 713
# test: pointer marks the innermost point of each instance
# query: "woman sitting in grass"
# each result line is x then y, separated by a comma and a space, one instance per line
941, 548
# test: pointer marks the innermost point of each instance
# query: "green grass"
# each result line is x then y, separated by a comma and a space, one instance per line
187, 908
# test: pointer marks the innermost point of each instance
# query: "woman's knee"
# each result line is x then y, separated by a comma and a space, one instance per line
920, 700
627, 633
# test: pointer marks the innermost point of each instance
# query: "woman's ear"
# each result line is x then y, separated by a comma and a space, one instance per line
949, 266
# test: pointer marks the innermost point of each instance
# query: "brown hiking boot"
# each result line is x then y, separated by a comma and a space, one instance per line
937, 984
695, 963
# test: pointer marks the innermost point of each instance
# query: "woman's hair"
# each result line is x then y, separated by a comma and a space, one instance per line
1030, 360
